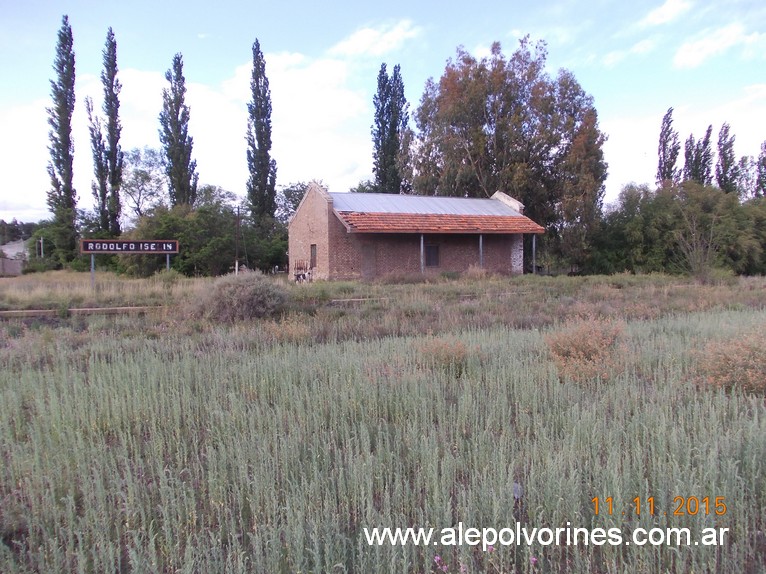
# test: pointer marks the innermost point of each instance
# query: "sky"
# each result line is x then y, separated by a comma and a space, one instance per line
704, 58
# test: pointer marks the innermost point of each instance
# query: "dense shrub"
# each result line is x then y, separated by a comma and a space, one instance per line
446, 353
586, 349
737, 363
240, 297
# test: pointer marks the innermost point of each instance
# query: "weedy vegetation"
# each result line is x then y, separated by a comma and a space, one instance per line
265, 439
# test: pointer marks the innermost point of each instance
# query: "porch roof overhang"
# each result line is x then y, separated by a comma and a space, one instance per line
365, 222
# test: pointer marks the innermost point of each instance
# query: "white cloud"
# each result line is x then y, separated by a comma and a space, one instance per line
639, 48
321, 125
744, 112
644, 46
613, 58
710, 43
376, 41
666, 13
628, 151
23, 160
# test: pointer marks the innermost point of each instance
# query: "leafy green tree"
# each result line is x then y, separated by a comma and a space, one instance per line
618, 244
261, 186
746, 177
206, 236
755, 208
713, 231
582, 192
289, 198
365, 186
389, 129
638, 233
727, 168
668, 149
177, 144
689, 229
144, 180
39, 247
16, 230
62, 197
504, 124
698, 159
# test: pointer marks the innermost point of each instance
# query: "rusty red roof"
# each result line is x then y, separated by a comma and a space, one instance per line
364, 222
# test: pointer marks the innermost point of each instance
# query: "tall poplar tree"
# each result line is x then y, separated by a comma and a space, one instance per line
100, 167
727, 168
698, 159
176, 142
760, 172
261, 185
113, 151
62, 197
668, 150
391, 119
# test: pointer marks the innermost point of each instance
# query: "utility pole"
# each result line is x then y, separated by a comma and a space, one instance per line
236, 247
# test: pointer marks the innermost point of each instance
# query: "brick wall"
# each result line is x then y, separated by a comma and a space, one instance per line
309, 226
354, 256
345, 251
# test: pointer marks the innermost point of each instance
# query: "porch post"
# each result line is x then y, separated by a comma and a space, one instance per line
422, 254
481, 250
534, 253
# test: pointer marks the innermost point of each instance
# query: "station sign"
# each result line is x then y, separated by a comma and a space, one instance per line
156, 246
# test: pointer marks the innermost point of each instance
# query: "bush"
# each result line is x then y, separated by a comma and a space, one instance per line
241, 297
167, 277
586, 349
446, 353
736, 363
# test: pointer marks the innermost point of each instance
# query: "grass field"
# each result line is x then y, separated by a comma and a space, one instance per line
176, 443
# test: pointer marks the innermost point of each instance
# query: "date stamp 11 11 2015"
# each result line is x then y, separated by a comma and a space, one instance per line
681, 506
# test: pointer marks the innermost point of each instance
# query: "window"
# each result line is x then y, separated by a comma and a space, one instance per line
313, 263
432, 255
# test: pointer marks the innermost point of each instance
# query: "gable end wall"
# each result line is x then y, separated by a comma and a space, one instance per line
309, 226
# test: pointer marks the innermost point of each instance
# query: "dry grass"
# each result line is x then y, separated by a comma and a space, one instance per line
69, 289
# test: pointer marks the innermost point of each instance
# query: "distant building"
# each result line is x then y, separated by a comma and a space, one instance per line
368, 235
12, 259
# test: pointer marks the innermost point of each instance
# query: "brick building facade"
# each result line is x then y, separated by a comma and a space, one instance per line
363, 236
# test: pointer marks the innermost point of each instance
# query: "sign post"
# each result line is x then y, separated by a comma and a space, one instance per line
118, 246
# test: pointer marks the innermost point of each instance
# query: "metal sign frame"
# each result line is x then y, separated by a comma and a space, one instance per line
94, 247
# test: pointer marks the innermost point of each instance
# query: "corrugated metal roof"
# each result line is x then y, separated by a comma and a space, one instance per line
391, 203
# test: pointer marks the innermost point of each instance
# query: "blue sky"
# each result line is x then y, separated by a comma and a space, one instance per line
706, 58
